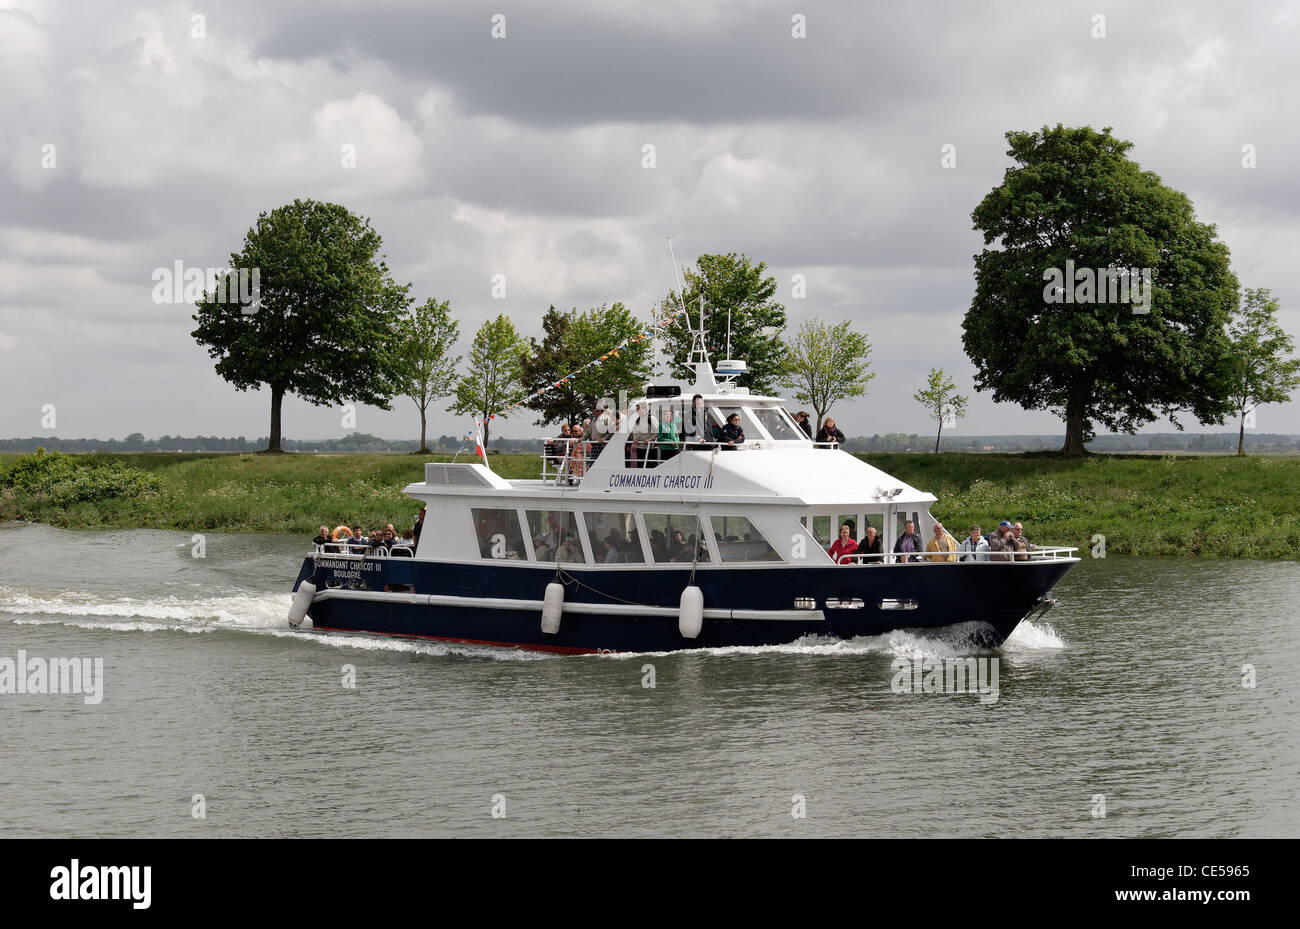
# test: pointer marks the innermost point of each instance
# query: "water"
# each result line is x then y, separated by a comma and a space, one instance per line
1131, 689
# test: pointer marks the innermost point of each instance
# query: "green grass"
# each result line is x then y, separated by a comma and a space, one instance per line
1209, 506
1219, 506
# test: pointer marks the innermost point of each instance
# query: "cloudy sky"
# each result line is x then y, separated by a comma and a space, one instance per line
173, 124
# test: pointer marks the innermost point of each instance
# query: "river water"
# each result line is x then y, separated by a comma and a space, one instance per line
1122, 713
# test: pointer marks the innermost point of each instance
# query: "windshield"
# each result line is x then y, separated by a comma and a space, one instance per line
778, 423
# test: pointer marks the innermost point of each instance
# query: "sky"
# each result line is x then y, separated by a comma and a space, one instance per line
510, 138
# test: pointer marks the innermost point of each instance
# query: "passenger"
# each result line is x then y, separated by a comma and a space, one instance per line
828, 432
323, 537
658, 546
908, 543
974, 547
604, 423
998, 544
696, 425
570, 551
616, 543
870, 545
407, 540
419, 524
390, 537
1022, 544
540, 549
359, 541
643, 427
942, 547
731, 433
677, 545
669, 439
844, 546
804, 422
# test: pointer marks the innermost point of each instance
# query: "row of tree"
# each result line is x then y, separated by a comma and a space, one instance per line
332, 324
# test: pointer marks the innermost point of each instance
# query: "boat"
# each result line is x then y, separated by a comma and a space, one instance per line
623, 547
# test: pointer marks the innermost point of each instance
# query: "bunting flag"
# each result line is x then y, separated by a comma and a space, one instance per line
612, 353
478, 444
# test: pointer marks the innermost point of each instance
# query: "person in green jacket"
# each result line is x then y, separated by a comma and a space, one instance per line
669, 438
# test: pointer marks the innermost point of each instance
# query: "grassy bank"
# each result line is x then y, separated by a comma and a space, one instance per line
1212, 506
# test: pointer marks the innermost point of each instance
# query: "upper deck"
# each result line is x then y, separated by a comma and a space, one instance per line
671, 448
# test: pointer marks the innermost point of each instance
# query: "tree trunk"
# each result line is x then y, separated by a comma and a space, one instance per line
936, 437
485, 436
424, 447
1074, 408
277, 398
1241, 436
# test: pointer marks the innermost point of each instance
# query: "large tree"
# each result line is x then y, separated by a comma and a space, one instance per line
1074, 196
940, 398
428, 336
827, 363
757, 321
569, 341
1260, 371
492, 380
327, 325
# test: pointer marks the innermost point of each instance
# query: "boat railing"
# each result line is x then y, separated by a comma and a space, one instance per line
344, 550
566, 460
1037, 554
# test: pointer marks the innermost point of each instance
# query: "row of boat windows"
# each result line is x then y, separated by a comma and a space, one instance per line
616, 538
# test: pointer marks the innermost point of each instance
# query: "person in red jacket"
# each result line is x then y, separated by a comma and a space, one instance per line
844, 546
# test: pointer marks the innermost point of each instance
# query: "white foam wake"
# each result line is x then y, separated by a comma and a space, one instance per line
263, 614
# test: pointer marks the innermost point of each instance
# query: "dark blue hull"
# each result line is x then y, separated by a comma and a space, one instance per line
636, 610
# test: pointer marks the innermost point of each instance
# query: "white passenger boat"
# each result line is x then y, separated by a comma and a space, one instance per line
620, 548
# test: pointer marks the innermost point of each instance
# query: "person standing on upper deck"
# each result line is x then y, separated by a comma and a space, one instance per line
695, 424
731, 434
828, 432
668, 436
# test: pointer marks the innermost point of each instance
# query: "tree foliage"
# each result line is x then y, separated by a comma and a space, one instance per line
569, 341
940, 397
1073, 194
492, 380
757, 321
328, 322
1259, 371
827, 363
429, 369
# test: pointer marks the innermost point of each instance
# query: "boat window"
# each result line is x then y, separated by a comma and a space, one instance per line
614, 538
738, 540
675, 537
498, 533
555, 536
778, 423
826, 528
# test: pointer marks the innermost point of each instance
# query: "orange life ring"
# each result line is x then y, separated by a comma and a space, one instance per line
341, 532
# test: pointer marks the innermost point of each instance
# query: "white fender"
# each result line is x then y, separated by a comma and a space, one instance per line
690, 615
301, 600
552, 608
